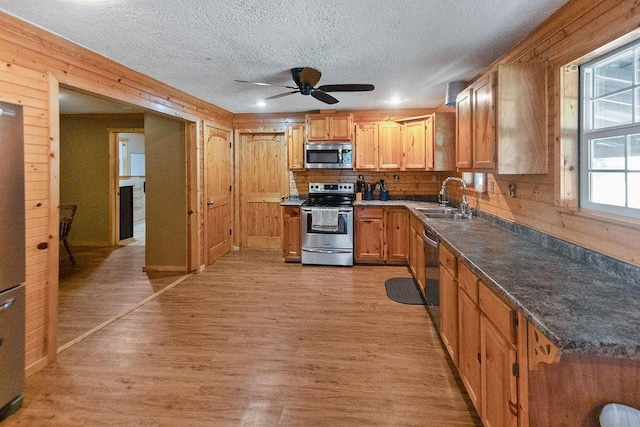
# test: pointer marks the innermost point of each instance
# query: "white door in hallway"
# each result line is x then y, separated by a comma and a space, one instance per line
263, 185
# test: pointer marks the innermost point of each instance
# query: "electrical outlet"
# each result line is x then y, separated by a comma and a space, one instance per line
396, 178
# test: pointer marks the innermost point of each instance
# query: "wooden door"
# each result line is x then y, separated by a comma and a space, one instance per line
397, 234
369, 245
469, 345
217, 193
317, 127
464, 144
484, 128
413, 138
295, 147
389, 146
264, 183
340, 127
366, 146
499, 385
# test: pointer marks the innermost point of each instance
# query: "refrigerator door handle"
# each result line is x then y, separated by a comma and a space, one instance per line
8, 303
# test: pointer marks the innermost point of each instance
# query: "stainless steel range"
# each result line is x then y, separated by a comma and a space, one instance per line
327, 224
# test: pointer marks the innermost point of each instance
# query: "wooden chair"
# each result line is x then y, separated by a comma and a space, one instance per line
67, 212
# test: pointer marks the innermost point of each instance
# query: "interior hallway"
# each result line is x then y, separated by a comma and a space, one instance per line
255, 341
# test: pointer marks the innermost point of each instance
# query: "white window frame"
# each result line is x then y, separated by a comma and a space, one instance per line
587, 134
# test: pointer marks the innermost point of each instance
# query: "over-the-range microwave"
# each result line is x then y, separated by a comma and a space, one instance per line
328, 155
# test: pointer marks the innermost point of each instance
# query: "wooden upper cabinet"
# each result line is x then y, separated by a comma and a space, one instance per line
340, 127
440, 142
464, 129
484, 123
502, 121
389, 146
295, 147
366, 146
329, 127
413, 141
522, 118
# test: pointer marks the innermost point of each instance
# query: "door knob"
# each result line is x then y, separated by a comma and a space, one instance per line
282, 197
209, 202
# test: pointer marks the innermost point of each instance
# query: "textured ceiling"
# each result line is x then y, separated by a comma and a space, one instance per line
406, 48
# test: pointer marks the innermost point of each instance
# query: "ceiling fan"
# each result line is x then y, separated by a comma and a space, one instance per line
306, 78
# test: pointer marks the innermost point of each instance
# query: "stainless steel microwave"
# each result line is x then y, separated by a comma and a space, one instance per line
328, 155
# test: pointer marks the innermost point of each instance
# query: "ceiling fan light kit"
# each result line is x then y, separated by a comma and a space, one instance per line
306, 78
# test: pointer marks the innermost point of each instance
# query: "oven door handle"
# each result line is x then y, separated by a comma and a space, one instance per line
328, 251
430, 238
348, 210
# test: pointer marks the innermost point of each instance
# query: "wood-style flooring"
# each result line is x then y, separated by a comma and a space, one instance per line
256, 342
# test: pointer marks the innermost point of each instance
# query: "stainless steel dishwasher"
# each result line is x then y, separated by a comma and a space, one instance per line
432, 275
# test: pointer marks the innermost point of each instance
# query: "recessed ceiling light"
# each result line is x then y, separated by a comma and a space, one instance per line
395, 100
261, 103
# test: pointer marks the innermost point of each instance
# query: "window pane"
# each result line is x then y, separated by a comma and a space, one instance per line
613, 110
608, 188
614, 75
633, 159
633, 190
607, 153
637, 116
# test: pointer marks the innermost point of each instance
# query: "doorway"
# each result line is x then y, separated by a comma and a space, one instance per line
263, 181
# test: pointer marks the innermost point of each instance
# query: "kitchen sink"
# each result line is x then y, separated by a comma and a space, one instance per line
442, 213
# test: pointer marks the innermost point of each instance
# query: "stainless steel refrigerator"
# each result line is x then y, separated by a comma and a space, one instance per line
12, 260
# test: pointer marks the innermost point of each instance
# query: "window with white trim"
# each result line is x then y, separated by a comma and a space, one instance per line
610, 132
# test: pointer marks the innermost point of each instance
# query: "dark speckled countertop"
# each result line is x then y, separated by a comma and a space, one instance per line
580, 308
582, 303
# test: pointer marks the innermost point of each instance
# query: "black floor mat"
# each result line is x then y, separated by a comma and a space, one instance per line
404, 290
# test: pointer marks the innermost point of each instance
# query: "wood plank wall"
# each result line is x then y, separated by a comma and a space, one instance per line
32, 63
572, 33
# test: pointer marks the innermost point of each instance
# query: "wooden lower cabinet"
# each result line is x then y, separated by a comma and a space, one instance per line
449, 303
417, 255
469, 355
291, 250
382, 235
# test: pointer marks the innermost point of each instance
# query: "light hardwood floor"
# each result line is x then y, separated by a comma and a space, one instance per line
254, 341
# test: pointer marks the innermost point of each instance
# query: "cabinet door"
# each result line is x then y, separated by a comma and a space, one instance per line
397, 235
291, 233
389, 146
340, 127
484, 128
317, 127
413, 138
499, 385
449, 313
469, 346
295, 147
444, 142
464, 130
429, 142
369, 235
417, 257
366, 146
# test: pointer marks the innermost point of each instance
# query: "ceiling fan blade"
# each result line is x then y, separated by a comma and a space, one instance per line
263, 84
283, 94
310, 76
324, 97
346, 88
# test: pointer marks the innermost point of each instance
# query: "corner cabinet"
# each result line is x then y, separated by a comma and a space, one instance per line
295, 147
291, 250
329, 127
502, 121
382, 235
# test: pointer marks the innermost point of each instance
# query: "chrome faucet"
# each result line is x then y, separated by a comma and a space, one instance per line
464, 204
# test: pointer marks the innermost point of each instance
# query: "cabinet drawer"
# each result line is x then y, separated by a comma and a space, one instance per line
498, 312
448, 260
468, 281
369, 212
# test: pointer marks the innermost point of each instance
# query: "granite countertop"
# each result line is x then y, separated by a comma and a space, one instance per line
580, 308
